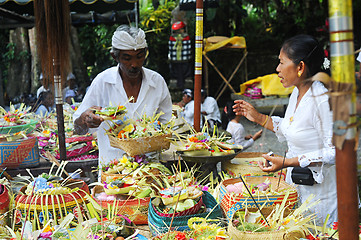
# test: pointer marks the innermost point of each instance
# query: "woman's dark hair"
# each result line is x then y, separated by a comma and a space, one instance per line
41, 99
227, 116
307, 49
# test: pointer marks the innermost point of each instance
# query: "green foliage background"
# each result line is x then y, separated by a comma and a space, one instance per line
264, 23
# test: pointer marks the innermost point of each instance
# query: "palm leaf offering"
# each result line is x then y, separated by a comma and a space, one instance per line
143, 127
205, 144
201, 229
15, 116
111, 112
280, 221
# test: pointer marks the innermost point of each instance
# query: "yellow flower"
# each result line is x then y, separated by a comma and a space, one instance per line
286, 222
48, 229
129, 128
124, 159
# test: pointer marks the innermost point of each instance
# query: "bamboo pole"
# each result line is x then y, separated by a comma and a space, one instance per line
198, 65
344, 138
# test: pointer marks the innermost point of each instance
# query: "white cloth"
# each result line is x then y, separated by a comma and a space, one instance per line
359, 57
40, 90
123, 41
107, 88
308, 132
69, 93
43, 111
188, 113
238, 135
210, 106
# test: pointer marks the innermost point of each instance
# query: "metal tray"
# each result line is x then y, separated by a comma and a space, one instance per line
208, 159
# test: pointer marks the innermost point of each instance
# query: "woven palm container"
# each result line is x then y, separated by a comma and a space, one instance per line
245, 164
136, 209
22, 153
139, 146
235, 234
231, 202
40, 208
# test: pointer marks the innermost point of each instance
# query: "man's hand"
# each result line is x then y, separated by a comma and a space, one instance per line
87, 120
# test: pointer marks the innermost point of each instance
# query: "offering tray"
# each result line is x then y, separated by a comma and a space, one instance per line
208, 159
28, 126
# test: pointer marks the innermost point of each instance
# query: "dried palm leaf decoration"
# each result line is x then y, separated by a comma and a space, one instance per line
52, 37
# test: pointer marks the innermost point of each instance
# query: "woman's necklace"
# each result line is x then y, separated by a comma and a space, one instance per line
291, 119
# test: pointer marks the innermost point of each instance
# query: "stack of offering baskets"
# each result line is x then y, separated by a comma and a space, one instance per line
141, 136
265, 190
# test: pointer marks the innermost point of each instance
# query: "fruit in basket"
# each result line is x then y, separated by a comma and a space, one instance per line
120, 186
202, 144
111, 112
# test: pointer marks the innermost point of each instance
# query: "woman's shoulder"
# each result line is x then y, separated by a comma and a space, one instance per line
319, 91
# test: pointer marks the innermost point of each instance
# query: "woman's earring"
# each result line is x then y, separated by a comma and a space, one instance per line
299, 74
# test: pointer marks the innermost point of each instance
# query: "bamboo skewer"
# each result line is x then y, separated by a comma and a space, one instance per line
54, 160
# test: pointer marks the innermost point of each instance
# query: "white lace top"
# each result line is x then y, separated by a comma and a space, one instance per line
308, 132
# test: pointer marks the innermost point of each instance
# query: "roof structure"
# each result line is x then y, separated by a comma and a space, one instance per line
20, 13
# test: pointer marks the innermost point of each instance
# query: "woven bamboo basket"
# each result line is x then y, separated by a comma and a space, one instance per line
245, 164
190, 211
230, 203
273, 235
135, 209
22, 153
235, 234
138, 146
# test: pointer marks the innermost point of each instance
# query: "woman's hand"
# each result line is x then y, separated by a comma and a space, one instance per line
243, 108
273, 164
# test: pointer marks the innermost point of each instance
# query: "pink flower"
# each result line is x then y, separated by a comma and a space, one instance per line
46, 234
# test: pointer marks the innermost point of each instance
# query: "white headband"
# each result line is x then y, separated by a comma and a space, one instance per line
123, 41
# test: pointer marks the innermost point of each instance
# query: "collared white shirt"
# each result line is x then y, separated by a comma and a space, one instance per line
107, 88
308, 132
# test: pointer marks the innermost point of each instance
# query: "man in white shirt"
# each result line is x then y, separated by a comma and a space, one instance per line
117, 84
188, 106
210, 110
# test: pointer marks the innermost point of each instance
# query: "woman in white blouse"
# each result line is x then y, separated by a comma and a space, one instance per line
307, 126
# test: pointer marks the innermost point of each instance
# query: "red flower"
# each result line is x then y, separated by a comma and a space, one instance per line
335, 226
180, 236
310, 237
